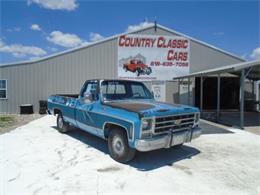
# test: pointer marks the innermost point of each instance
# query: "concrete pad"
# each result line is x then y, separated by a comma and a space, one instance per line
213, 128
36, 159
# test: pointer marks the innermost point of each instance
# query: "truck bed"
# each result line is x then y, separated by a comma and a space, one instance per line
61, 101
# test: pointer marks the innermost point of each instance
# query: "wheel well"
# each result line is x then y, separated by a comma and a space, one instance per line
56, 111
109, 126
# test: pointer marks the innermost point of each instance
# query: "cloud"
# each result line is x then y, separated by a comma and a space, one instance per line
15, 29
68, 5
52, 49
36, 27
131, 28
19, 50
95, 37
255, 54
65, 39
1, 43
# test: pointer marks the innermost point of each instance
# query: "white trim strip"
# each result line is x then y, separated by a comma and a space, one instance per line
131, 122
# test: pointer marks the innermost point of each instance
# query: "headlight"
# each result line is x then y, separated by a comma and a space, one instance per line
147, 127
147, 124
197, 118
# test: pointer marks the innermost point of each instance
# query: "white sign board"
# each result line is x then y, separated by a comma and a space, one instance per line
184, 88
159, 92
150, 57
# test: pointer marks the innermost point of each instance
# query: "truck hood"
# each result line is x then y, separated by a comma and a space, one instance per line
147, 108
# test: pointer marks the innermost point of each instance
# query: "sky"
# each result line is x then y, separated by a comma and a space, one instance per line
32, 29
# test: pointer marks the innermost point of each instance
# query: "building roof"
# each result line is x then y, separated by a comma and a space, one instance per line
254, 72
118, 35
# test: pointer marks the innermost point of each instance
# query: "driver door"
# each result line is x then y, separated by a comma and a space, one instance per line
85, 106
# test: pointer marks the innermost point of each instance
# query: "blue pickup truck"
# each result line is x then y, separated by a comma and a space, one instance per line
126, 114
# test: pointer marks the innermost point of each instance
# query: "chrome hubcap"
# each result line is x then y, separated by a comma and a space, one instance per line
118, 146
60, 123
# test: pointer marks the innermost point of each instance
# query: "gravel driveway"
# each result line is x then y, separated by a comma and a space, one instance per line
36, 159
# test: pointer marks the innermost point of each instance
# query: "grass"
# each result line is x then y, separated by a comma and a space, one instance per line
6, 121
9, 122
6, 118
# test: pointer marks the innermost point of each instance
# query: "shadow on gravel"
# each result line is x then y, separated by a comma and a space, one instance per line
146, 161
212, 129
88, 139
143, 161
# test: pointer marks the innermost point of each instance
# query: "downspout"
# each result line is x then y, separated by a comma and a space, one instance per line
257, 95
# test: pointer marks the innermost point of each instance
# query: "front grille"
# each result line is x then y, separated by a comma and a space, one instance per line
173, 123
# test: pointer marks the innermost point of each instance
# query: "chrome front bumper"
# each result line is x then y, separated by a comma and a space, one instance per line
168, 140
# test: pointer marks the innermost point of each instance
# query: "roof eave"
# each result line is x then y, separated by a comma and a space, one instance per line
229, 68
77, 48
116, 36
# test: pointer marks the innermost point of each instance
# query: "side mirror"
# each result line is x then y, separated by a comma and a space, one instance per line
89, 97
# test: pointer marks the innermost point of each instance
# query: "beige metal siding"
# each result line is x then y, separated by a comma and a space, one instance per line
204, 58
171, 92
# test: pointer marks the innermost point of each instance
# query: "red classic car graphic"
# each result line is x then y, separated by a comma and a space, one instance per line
138, 67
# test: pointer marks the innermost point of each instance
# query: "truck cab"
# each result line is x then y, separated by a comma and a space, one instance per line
125, 114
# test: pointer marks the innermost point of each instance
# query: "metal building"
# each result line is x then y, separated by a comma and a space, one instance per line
64, 73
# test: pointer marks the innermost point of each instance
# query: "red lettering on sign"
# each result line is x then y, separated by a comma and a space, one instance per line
185, 44
160, 42
170, 53
121, 41
177, 56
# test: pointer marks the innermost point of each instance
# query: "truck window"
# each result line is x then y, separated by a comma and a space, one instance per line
113, 88
138, 89
116, 90
90, 88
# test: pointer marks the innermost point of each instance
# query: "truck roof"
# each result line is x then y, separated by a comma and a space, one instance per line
113, 80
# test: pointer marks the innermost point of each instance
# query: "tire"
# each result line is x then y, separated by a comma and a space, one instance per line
62, 126
118, 146
125, 68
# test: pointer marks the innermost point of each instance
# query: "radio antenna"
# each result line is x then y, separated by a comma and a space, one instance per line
155, 24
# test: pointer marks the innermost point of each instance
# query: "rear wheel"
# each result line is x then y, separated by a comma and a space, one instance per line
63, 127
118, 146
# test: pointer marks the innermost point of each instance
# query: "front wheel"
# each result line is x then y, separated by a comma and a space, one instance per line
118, 146
63, 127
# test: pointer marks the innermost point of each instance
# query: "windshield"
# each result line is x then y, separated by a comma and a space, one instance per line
118, 90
